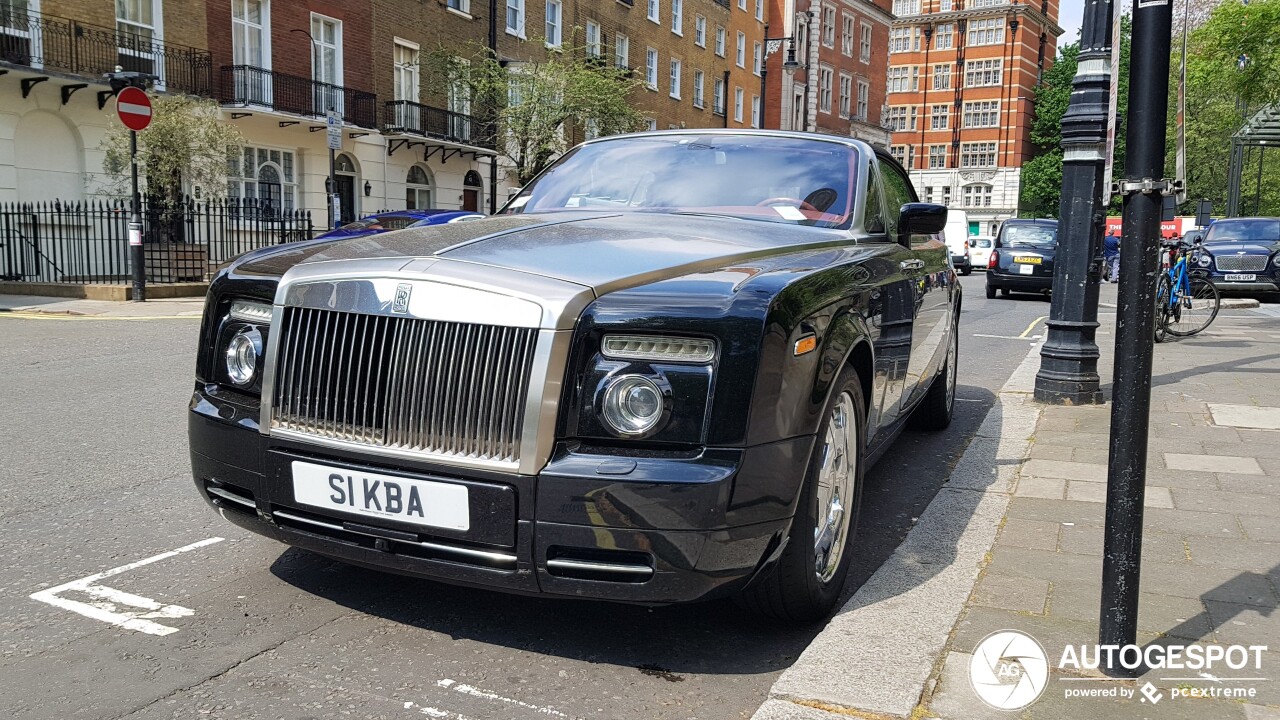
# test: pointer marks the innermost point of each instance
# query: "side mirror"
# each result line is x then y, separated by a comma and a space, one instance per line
921, 219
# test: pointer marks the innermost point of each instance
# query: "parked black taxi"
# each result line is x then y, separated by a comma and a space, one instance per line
657, 376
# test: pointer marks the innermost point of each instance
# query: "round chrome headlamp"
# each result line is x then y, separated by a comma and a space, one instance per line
1203, 260
1276, 260
243, 351
632, 405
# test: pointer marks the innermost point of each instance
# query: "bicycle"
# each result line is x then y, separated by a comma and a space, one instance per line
1184, 305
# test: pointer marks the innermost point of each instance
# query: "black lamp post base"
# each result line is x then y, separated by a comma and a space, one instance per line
1068, 372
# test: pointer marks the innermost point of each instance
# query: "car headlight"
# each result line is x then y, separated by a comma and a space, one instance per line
632, 405
655, 348
254, 312
1203, 260
1276, 260
242, 355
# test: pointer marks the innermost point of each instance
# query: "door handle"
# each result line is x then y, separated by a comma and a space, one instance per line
911, 264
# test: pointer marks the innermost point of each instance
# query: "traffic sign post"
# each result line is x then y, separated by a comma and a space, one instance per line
133, 107
333, 121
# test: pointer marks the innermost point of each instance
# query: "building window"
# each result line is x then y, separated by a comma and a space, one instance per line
698, 79
942, 77
405, 74
757, 59
944, 37
846, 35
828, 26
864, 100
895, 118
622, 51
865, 45
946, 194
978, 155
593, 39
653, 10
905, 154
904, 39
985, 3
944, 5
982, 113
717, 97
737, 104
250, 33
462, 6
912, 111
824, 89
940, 117
906, 7
802, 31
755, 111
928, 194
899, 79
720, 40
326, 62
977, 195
846, 95
677, 17
986, 31
264, 179
898, 152
553, 23
937, 160
135, 29
675, 78
983, 73
700, 31
515, 17
651, 68
741, 57
653, 124
742, 5
417, 192
760, 10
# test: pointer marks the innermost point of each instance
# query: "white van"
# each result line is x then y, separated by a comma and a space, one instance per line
956, 234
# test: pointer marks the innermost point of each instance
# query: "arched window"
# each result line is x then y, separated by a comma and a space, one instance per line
344, 164
269, 189
417, 194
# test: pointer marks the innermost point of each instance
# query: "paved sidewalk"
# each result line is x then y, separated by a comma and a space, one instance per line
1211, 552
31, 305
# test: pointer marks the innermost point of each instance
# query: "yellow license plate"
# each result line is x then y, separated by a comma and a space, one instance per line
1027, 259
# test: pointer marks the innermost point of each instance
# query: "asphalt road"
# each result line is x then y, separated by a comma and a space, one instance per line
236, 626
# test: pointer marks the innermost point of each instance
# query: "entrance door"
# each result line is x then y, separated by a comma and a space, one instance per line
471, 199
346, 198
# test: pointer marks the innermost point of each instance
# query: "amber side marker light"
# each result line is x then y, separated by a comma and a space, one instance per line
806, 344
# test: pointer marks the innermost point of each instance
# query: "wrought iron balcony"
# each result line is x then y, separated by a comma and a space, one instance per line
404, 116
55, 44
247, 86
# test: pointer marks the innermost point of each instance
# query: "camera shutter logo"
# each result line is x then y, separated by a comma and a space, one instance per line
1009, 670
400, 304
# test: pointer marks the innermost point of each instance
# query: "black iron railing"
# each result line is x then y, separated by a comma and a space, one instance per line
47, 42
88, 242
248, 86
411, 117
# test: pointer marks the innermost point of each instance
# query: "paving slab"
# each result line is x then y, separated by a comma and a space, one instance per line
1087, 472
1245, 416
1012, 593
1036, 534
1213, 463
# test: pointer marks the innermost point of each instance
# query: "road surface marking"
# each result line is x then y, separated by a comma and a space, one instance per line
477, 692
1032, 326
107, 601
1006, 337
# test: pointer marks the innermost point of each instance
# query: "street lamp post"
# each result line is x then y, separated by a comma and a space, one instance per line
1069, 359
789, 66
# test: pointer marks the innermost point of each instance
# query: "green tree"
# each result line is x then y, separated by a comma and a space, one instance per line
530, 110
186, 146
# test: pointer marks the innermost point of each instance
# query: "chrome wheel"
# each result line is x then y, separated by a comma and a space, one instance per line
837, 476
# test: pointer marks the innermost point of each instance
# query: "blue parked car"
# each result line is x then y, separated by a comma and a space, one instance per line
1241, 255
399, 220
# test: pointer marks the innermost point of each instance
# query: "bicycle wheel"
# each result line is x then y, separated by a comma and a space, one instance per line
1196, 310
1161, 325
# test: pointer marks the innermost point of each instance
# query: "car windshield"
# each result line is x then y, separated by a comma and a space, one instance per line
382, 222
1045, 236
755, 177
1261, 229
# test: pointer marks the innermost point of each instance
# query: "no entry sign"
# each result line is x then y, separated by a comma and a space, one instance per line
134, 108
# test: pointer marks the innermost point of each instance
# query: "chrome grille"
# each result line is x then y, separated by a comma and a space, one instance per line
437, 388
1241, 263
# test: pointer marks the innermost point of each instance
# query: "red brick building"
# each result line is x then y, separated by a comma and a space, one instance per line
961, 88
841, 48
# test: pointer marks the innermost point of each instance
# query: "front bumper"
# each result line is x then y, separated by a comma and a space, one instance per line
651, 530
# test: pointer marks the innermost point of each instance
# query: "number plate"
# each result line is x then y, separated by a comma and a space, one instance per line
1028, 259
1026, 269
1241, 277
421, 502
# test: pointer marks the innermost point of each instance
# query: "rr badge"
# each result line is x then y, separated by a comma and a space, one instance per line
401, 304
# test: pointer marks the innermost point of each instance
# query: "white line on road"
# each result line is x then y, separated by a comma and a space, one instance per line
1033, 338
477, 692
105, 607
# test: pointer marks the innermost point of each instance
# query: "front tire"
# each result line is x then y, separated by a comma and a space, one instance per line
806, 582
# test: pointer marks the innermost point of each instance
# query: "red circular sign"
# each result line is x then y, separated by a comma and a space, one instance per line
134, 108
